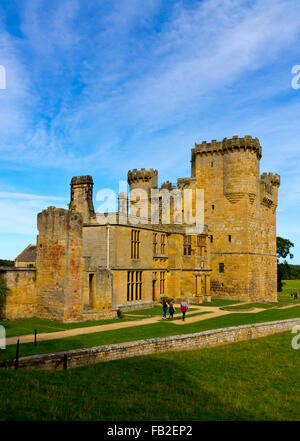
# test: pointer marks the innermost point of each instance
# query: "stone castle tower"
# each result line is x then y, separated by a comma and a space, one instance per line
145, 180
240, 211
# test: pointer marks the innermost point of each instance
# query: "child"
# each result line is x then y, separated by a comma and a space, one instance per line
171, 310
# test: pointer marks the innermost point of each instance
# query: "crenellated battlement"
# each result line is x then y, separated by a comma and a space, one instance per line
57, 220
247, 143
269, 184
79, 180
142, 175
270, 179
183, 183
167, 185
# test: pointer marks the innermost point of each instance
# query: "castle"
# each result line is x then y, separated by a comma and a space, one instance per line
83, 269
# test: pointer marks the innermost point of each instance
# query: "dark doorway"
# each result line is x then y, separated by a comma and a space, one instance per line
91, 289
153, 290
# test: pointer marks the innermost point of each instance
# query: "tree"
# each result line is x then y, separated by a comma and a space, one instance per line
5, 262
283, 248
283, 251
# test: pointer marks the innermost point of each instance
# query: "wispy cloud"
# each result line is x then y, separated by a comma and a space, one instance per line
122, 70
19, 211
24, 196
102, 87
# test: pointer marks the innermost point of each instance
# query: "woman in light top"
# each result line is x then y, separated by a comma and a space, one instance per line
184, 307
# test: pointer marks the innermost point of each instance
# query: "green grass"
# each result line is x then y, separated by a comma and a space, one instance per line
190, 314
251, 380
284, 298
27, 326
163, 328
219, 302
291, 285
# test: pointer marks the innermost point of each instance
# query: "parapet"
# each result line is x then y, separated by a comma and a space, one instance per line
143, 176
78, 180
229, 145
270, 179
183, 183
54, 221
167, 185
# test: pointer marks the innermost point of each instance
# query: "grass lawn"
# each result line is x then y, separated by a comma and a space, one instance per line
27, 326
163, 328
190, 314
291, 285
284, 298
251, 380
219, 302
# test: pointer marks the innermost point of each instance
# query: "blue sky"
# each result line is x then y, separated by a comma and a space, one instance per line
100, 87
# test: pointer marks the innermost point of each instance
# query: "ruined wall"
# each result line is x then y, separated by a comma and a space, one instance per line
98, 294
59, 264
21, 300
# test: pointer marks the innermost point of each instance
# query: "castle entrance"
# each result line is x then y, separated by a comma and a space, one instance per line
201, 284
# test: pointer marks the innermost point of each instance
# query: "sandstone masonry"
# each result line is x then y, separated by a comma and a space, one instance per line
87, 268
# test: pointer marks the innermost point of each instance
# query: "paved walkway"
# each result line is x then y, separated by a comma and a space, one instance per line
211, 312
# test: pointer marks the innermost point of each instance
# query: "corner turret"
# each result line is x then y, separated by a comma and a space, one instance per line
269, 184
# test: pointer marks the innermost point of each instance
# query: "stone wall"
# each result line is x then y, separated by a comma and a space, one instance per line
199, 340
21, 300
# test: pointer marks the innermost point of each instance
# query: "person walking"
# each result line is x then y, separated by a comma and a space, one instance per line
171, 310
184, 307
292, 295
165, 309
295, 295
